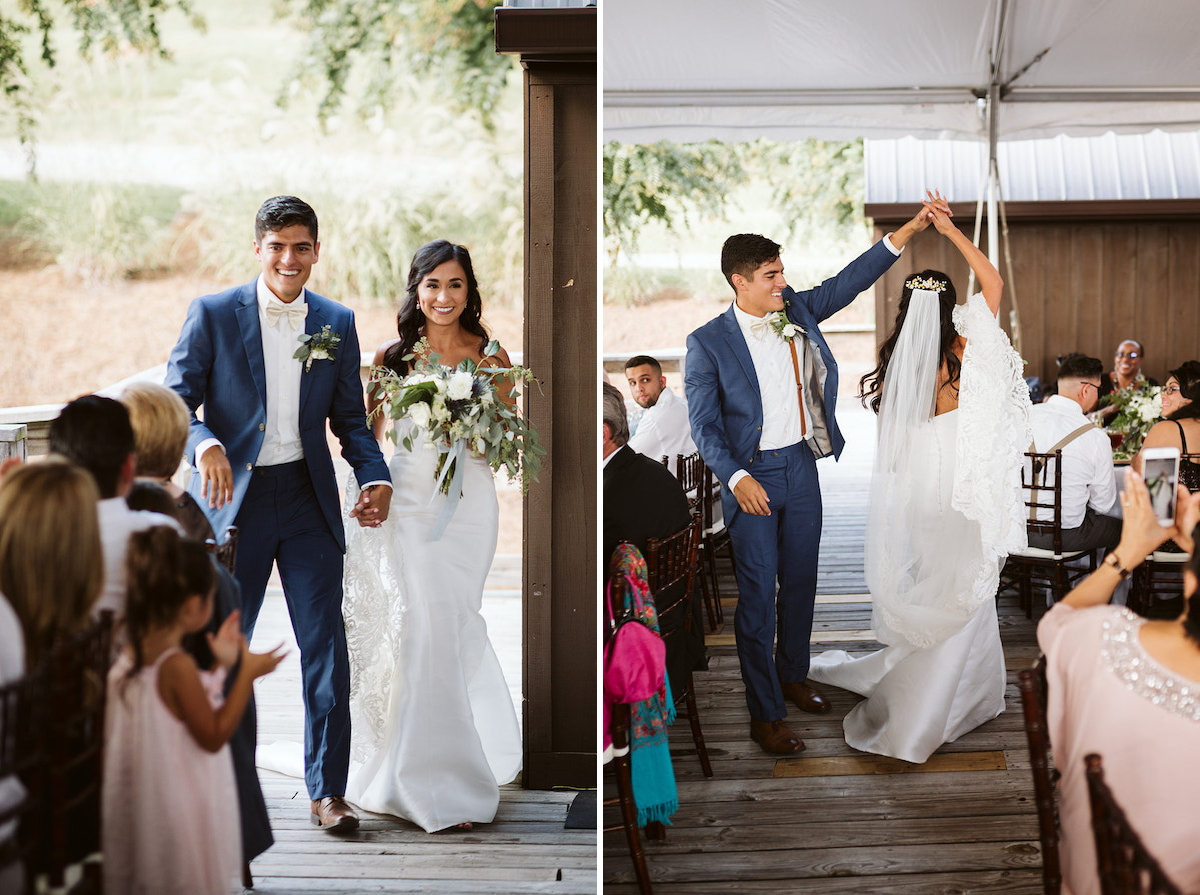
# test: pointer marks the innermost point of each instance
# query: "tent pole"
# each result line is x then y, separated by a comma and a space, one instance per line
979, 197
1014, 313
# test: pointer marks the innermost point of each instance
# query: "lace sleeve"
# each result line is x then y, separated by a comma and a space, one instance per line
373, 610
993, 434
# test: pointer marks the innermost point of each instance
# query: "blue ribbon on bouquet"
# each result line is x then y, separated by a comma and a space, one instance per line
455, 459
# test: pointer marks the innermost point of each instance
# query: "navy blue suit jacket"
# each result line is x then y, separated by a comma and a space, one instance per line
218, 364
723, 396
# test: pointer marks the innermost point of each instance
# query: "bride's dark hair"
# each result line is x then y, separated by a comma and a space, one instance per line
410, 319
870, 387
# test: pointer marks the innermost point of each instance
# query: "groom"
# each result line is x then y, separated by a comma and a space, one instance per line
761, 415
263, 463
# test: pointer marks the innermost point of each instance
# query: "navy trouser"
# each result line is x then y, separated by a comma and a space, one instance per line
783, 547
280, 520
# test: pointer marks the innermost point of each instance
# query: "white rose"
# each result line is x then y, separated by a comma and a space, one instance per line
459, 386
419, 413
788, 330
319, 354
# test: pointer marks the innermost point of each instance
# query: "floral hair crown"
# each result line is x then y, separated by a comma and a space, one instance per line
927, 283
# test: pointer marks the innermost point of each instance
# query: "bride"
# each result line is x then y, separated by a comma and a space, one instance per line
945, 510
434, 730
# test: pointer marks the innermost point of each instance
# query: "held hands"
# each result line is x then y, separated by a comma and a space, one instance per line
751, 497
937, 209
934, 204
371, 510
216, 478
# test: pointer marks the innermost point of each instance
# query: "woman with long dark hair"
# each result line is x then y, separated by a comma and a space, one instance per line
945, 508
1180, 422
434, 729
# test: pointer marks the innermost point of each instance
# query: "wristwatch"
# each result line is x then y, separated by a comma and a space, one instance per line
1111, 560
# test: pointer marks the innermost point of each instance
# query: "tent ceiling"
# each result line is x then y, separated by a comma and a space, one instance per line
689, 70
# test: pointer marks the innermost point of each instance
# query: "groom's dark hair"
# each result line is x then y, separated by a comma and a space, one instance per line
94, 433
744, 253
284, 211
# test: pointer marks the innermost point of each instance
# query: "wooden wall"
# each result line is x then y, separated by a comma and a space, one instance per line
558, 53
1086, 275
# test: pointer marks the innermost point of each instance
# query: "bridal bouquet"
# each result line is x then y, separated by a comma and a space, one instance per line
460, 409
1138, 408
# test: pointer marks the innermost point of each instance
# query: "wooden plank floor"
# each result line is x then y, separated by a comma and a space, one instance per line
833, 819
526, 849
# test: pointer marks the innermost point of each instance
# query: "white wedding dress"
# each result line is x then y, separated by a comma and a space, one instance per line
945, 511
434, 732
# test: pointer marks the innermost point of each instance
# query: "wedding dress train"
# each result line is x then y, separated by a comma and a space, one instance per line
945, 511
434, 732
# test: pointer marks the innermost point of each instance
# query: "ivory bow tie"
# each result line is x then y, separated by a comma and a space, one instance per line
761, 327
294, 311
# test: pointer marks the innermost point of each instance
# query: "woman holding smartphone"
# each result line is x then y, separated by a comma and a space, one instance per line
1126, 688
1180, 425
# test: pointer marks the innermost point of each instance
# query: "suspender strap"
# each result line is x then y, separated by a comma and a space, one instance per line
1037, 465
799, 388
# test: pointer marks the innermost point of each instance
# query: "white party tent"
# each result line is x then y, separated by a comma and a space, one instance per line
688, 70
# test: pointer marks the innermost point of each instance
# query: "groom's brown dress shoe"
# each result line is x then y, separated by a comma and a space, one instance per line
774, 736
333, 814
806, 698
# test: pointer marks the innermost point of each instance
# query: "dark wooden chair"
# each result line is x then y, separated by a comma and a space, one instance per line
624, 797
1041, 481
23, 756
619, 730
1032, 684
671, 573
67, 790
714, 537
226, 551
691, 472
1124, 864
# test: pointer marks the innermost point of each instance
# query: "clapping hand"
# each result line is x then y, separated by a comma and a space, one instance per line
227, 644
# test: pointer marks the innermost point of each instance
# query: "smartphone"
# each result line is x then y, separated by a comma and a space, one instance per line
1160, 470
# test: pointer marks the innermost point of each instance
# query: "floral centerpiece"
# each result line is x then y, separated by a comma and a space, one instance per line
460, 409
1138, 408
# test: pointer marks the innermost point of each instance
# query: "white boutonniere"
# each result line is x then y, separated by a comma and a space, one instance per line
783, 327
317, 346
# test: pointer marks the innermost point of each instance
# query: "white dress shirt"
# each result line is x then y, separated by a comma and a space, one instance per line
281, 440
117, 523
1087, 463
664, 428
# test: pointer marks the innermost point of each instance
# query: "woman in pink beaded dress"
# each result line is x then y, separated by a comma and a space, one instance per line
170, 810
1128, 689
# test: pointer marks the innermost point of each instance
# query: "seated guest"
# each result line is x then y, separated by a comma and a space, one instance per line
664, 429
1089, 489
160, 430
1127, 373
51, 563
94, 433
642, 500
1180, 425
1125, 688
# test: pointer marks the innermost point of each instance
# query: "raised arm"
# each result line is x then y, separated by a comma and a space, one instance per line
989, 278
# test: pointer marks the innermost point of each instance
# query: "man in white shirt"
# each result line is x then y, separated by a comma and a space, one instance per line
95, 434
1089, 489
664, 429
273, 365
761, 388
